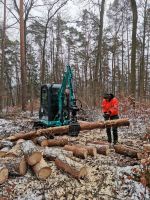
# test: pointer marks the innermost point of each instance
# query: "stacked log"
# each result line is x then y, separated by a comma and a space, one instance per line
42, 170
15, 166
31, 152
101, 148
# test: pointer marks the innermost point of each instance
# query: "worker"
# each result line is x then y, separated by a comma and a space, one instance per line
110, 112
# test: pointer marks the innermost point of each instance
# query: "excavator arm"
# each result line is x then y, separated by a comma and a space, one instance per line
67, 83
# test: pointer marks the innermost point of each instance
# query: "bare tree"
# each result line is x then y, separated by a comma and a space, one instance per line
49, 17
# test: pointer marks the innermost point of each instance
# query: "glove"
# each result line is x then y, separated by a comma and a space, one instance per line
106, 115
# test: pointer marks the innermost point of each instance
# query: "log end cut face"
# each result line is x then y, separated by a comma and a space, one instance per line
34, 158
3, 175
44, 173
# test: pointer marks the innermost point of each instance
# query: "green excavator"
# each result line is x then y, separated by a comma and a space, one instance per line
58, 105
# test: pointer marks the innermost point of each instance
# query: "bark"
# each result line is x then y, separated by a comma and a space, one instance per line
31, 152
78, 152
101, 149
65, 129
51, 143
3, 173
15, 166
126, 150
42, 170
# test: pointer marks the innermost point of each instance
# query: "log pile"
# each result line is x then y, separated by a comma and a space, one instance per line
32, 149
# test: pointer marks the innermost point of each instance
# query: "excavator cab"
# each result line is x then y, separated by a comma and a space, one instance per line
49, 102
58, 105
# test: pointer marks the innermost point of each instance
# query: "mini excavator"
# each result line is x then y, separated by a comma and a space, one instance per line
58, 105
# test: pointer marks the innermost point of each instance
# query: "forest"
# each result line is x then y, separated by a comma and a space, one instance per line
108, 48
54, 146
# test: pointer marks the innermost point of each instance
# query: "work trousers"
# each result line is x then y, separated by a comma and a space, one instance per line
114, 130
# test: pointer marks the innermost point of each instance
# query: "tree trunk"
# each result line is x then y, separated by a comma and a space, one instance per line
22, 58
42, 170
126, 150
3, 173
3, 59
65, 129
31, 152
133, 50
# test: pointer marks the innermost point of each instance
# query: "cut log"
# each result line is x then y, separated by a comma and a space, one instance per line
51, 143
90, 150
65, 129
15, 151
6, 143
31, 152
15, 166
126, 150
101, 148
3, 173
78, 152
75, 169
51, 154
42, 170
146, 147
39, 140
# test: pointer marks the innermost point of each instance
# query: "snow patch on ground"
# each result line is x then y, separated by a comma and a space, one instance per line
129, 188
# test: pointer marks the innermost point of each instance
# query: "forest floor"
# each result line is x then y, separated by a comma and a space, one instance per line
109, 177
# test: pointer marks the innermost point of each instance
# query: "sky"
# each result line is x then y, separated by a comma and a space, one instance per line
71, 11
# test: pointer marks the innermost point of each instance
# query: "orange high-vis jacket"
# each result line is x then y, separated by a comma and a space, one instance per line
110, 106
